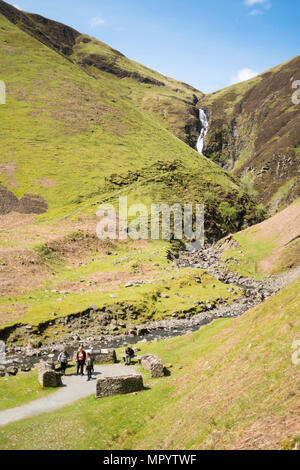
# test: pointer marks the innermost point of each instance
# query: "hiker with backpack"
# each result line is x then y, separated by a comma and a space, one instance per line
129, 354
80, 359
63, 360
89, 365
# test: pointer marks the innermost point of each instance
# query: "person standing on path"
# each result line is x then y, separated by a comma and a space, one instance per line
80, 359
89, 365
63, 359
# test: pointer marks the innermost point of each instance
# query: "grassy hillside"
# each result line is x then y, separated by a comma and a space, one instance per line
168, 100
254, 127
271, 247
70, 140
232, 385
55, 290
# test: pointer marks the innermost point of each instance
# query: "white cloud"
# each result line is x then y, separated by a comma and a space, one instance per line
262, 6
256, 12
97, 21
251, 3
242, 75
17, 6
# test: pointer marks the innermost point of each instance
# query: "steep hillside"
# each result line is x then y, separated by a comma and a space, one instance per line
271, 247
254, 127
232, 385
172, 102
73, 135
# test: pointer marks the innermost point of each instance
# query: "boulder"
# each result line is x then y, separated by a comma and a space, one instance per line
48, 377
109, 386
12, 370
142, 331
153, 364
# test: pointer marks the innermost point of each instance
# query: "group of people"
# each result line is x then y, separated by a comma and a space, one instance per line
83, 358
86, 359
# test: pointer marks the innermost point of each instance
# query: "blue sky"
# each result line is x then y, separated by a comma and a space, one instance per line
206, 43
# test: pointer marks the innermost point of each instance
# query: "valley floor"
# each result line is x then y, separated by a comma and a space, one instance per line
232, 385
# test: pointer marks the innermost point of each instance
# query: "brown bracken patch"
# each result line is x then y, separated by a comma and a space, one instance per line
47, 183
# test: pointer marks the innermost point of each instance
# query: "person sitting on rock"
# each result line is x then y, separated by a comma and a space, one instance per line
129, 352
63, 359
89, 365
80, 359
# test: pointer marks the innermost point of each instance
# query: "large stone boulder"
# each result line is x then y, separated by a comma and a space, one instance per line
153, 364
47, 376
108, 386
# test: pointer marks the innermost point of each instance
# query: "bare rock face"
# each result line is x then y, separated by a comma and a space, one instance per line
153, 364
47, 376
109, 386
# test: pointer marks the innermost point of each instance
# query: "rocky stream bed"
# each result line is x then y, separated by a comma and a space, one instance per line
254, 292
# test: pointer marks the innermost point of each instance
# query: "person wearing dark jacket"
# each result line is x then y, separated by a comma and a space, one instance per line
129, 355
89, 365
80, 359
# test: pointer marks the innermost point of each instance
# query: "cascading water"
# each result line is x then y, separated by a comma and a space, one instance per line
204, 123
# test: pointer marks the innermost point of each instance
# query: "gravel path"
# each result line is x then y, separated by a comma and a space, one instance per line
74, 388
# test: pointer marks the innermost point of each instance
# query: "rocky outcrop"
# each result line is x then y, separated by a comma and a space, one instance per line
55, 35
109, 386
102, 63
12, 370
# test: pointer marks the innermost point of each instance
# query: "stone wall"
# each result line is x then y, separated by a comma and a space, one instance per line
153, 364
101, 355
47, 377
108, 386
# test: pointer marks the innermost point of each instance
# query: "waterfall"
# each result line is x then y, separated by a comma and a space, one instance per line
204, 129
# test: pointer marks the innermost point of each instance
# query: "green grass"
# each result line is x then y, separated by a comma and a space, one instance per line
229, 382
76, 131
183, 291
251, 251
257, 244
184, 287
21, 389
